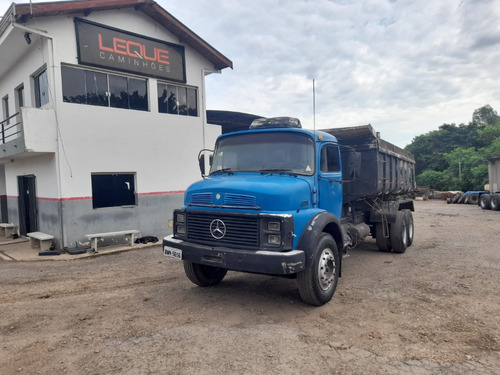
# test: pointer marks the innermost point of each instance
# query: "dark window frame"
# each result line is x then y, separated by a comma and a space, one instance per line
176, 99
102, 89
113, 189
41, 85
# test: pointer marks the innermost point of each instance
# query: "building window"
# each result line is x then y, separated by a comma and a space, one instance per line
177, 100
41, 89
113, 190
101, 89
5, 105
19, 98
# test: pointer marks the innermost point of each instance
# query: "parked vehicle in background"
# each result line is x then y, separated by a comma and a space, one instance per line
491, 199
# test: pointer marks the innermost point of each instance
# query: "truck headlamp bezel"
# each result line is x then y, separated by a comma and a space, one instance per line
276, 232
180, 224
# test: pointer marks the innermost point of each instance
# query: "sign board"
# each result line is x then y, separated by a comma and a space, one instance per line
116, 49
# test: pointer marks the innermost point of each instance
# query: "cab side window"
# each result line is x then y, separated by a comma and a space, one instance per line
330, 160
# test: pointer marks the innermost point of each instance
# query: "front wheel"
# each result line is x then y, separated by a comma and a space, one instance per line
202, 275
318, 282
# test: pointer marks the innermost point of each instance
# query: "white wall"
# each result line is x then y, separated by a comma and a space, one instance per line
161, 148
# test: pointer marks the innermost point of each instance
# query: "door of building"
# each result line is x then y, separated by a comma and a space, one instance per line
28, 208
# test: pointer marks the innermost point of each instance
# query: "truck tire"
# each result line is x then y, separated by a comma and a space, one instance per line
203, 275
318, 282
410, 228
399, 233
383, 243
473, 198
484, 201
495, 201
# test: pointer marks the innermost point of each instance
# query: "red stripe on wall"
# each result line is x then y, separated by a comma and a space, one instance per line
162, 192
86, 198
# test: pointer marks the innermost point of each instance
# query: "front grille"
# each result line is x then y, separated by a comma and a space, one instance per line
241, 230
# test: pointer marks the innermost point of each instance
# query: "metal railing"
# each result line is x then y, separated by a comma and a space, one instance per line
10, 128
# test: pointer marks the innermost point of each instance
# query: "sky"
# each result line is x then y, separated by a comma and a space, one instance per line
404, 66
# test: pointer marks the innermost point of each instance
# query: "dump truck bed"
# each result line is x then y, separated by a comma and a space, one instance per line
383, 169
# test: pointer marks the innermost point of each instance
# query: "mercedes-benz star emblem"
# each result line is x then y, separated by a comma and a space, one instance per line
217, 229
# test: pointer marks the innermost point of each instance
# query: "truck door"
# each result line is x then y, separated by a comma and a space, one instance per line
330, 180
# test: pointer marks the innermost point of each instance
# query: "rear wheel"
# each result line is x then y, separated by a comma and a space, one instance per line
473, 198
203, 275
495, 202
383, 243
410, 229
484, 201
318, 282
399, 233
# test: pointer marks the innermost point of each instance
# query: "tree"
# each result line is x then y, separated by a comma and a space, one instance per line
468, 168
485, 115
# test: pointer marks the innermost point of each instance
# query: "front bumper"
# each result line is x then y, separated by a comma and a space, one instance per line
267, 262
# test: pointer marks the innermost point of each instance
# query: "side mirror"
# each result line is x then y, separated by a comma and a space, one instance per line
205, 162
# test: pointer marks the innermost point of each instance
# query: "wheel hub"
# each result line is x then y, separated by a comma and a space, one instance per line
326, 269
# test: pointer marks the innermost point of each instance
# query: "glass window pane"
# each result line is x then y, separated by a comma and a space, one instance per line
73, 85
172, 103
41, 89
96, 86
192, 106
118, 90
138, 94
182, 100
112, 190
162, 98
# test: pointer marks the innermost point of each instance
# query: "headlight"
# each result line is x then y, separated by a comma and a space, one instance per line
273, 226
274, 239
180, 223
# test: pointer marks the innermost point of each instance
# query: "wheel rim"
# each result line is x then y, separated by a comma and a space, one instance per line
326, 269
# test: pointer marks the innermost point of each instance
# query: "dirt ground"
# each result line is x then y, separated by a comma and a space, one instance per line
433, 310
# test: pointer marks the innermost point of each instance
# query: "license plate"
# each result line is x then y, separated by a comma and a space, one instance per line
171, 252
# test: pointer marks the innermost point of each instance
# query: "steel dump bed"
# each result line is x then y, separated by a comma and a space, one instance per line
373, 167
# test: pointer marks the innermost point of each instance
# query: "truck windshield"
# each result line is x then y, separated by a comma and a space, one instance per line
279, 152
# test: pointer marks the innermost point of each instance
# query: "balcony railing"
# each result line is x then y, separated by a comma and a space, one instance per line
29, 132
10, 128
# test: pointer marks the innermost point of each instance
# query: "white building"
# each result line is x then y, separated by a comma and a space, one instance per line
102, 116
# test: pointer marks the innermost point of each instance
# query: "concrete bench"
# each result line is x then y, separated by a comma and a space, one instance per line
7, 229
40, 240
130, 235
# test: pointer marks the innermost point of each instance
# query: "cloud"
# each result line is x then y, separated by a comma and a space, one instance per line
404, 66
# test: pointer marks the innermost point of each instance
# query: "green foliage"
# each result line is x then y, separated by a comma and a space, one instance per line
485, 115
453, 157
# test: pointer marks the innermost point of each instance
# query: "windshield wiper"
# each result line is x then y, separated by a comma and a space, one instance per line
278, 170
223, 170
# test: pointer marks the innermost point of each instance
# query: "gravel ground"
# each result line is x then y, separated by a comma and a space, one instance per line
433, 310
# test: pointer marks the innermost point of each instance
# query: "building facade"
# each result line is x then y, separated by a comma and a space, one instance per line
102, 116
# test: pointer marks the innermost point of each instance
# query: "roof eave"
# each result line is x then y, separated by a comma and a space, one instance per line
23, 12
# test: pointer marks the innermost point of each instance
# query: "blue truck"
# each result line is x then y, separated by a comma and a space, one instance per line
287, 201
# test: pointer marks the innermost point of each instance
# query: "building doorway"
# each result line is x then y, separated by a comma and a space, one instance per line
28, 207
